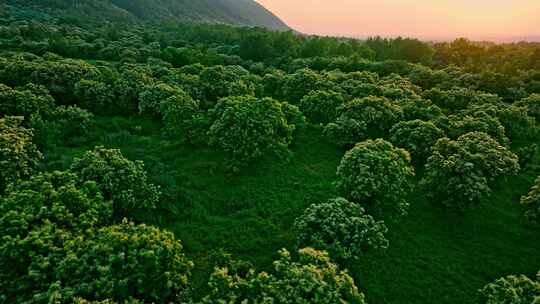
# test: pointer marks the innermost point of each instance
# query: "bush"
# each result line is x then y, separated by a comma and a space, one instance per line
321, 106
340, 227
417, 137
420, 109
36, 218
313, 279
299, 84
152, 96
120, 180
459, 172
18, 155
124, 261
477, 121
28, 265
359, 119
518, 124
511, 290
128, 87
183, 118
97, 97
223, 81
377, 174
247, 128
532, 202
25, 101
458, 99
532, 104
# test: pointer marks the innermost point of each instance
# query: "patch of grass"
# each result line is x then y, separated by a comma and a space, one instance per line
434, 256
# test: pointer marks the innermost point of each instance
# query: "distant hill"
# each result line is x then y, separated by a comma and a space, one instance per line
236, 12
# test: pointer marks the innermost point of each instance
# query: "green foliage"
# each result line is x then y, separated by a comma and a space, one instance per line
36, 219
19, 157
313, 279
321, 106
458, 98
340, 227
475, 121
58, 76
128, 87
25, 101
55, 197
67, 124
422, 109
224, 81
468, 166
248, 128
513, 289
97, 97
299, 84
152, 96
377, 175
121, 180
124, 261
417, 137
517, 123
532, 104
183, 118
359, 119
532, 202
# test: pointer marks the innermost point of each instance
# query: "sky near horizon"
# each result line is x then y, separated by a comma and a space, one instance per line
427, 19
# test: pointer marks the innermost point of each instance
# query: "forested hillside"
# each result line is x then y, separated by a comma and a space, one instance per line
235, 12
180, 162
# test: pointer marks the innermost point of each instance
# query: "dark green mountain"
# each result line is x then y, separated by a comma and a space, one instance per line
236, 12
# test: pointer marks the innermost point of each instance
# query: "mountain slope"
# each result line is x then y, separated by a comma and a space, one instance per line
236, 12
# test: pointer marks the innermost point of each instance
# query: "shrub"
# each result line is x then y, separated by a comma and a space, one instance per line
247, 128
54, 197
313, 279
97, 97
299, 84
183, 118
467, 166
128, 87
25, 101
120, 180
478, 121
36, 218
532, 104
532, 202
152, 96
321, 106
517, 123
18, 155
223, 81
378, 175
28, 264
459, 98
340, 227
359, 119
124, 261
417, 137
420, 109
511, 289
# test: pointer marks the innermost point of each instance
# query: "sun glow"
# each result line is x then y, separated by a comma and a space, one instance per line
428, 19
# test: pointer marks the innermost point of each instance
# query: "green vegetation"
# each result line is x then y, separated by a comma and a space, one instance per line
468, 166
376, 175
313, 278
511, 289
340, 227
146, 160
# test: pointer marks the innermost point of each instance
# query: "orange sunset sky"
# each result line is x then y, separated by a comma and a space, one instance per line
427, 19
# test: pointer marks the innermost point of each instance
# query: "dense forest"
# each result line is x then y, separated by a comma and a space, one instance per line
145, 159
